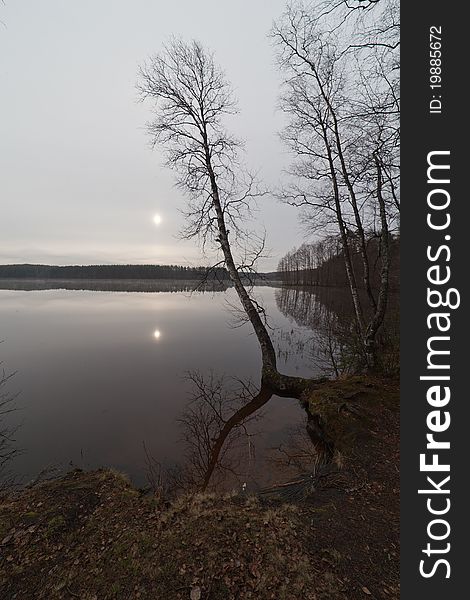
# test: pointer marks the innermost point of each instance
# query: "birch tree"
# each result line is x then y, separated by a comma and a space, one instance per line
342, 102
190, 98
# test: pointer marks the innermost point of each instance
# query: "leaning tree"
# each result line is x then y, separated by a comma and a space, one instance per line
190, 97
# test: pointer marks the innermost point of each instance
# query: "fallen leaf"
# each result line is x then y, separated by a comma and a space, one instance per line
196, 593
6, 539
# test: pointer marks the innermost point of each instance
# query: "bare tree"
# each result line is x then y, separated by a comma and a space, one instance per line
341, 97
191, 97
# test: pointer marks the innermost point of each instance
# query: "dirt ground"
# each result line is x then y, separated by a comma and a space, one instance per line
91, 535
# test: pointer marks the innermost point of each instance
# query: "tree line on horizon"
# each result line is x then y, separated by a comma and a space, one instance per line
30, 271
321, 263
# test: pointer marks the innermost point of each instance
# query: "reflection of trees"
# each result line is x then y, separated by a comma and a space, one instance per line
312, 307
329, 313
329, 316
8, 450
217, 430
116, 285
217, 434
216, 424
127, 285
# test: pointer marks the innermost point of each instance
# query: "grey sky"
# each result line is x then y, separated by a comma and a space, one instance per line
79, 183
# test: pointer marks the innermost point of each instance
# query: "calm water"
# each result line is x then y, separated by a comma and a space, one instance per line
101, 372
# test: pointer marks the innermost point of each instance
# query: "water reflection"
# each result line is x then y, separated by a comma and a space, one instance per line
220, 440
335, 347
8, 427
98, 389
219, 429
311, 307
306, 455
95, 384
115, 285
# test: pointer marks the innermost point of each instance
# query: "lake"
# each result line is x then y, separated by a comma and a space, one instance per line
100, 373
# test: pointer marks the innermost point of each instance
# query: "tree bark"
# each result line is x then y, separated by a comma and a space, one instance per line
379, 315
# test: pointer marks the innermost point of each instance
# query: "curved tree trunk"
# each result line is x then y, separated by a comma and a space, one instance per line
267, 349
277, 383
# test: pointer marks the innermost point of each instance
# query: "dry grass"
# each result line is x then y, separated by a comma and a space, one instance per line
91, 535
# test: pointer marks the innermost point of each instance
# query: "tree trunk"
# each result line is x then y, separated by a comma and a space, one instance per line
379, 315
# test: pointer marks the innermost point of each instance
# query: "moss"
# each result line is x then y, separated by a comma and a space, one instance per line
31, 514
349, 407
57, 522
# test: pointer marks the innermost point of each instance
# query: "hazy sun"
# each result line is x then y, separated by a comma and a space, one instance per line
156, 334
157, 219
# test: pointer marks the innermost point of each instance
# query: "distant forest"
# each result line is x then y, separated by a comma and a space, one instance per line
111, 272
322, 263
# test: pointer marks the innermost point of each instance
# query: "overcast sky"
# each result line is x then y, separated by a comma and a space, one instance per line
79, 183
